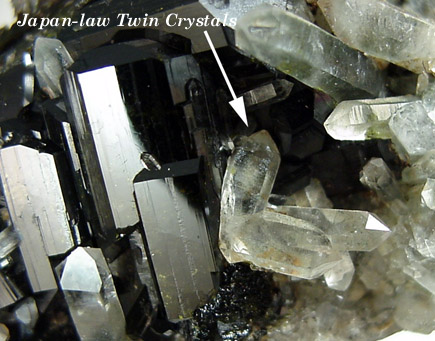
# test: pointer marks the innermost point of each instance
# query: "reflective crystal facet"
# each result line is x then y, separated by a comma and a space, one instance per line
428, 194
51, 59
382, 30
307, 53
91, 296
340, 276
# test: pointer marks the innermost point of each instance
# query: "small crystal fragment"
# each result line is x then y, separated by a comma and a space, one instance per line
377, 176
51, 59
297, 47
420, 170
340, 276
428, 194
93, 302
9, 240
382, 30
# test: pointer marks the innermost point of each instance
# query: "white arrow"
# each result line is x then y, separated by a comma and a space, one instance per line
237, 102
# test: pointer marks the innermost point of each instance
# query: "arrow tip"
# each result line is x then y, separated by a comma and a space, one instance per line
239, 107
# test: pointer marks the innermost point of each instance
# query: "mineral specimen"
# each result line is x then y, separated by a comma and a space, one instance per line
302, 242
307, 53
382, 30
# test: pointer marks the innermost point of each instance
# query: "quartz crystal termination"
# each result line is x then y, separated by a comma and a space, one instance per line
51, 59
91, 297
384, 31
308, 53
406, 120
304, 242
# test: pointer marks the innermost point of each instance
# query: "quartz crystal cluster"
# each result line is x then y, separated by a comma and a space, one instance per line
305, 242
135, 205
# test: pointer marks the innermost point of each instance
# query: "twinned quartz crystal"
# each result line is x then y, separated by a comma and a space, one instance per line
304, 242
384, 31
306, 52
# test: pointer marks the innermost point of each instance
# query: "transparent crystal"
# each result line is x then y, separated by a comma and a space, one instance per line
413, 129
341, 275
250, 175
312, 195
428, 194
384, 31
415, 310
377, 176
81, 273
297, 47
92, 303
364, 119
51, 59
420, 170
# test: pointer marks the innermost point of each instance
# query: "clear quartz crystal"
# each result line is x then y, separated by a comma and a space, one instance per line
250, 175
340, 276
91, 296
384, 31
377, 176
304, 242
406, 120
51, 59
420, 170
428, 194
360, 120
413, 129
308, 53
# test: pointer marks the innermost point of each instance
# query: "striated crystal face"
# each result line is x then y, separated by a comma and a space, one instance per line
306, 52
383, 31
364, 119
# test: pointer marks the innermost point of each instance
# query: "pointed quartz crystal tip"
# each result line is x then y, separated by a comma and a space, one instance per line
308, 53
51, 59
298, 241
406, 120
384, 31
428, 194
81, 273
91, 296
377, 176
250, 175
364, 119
